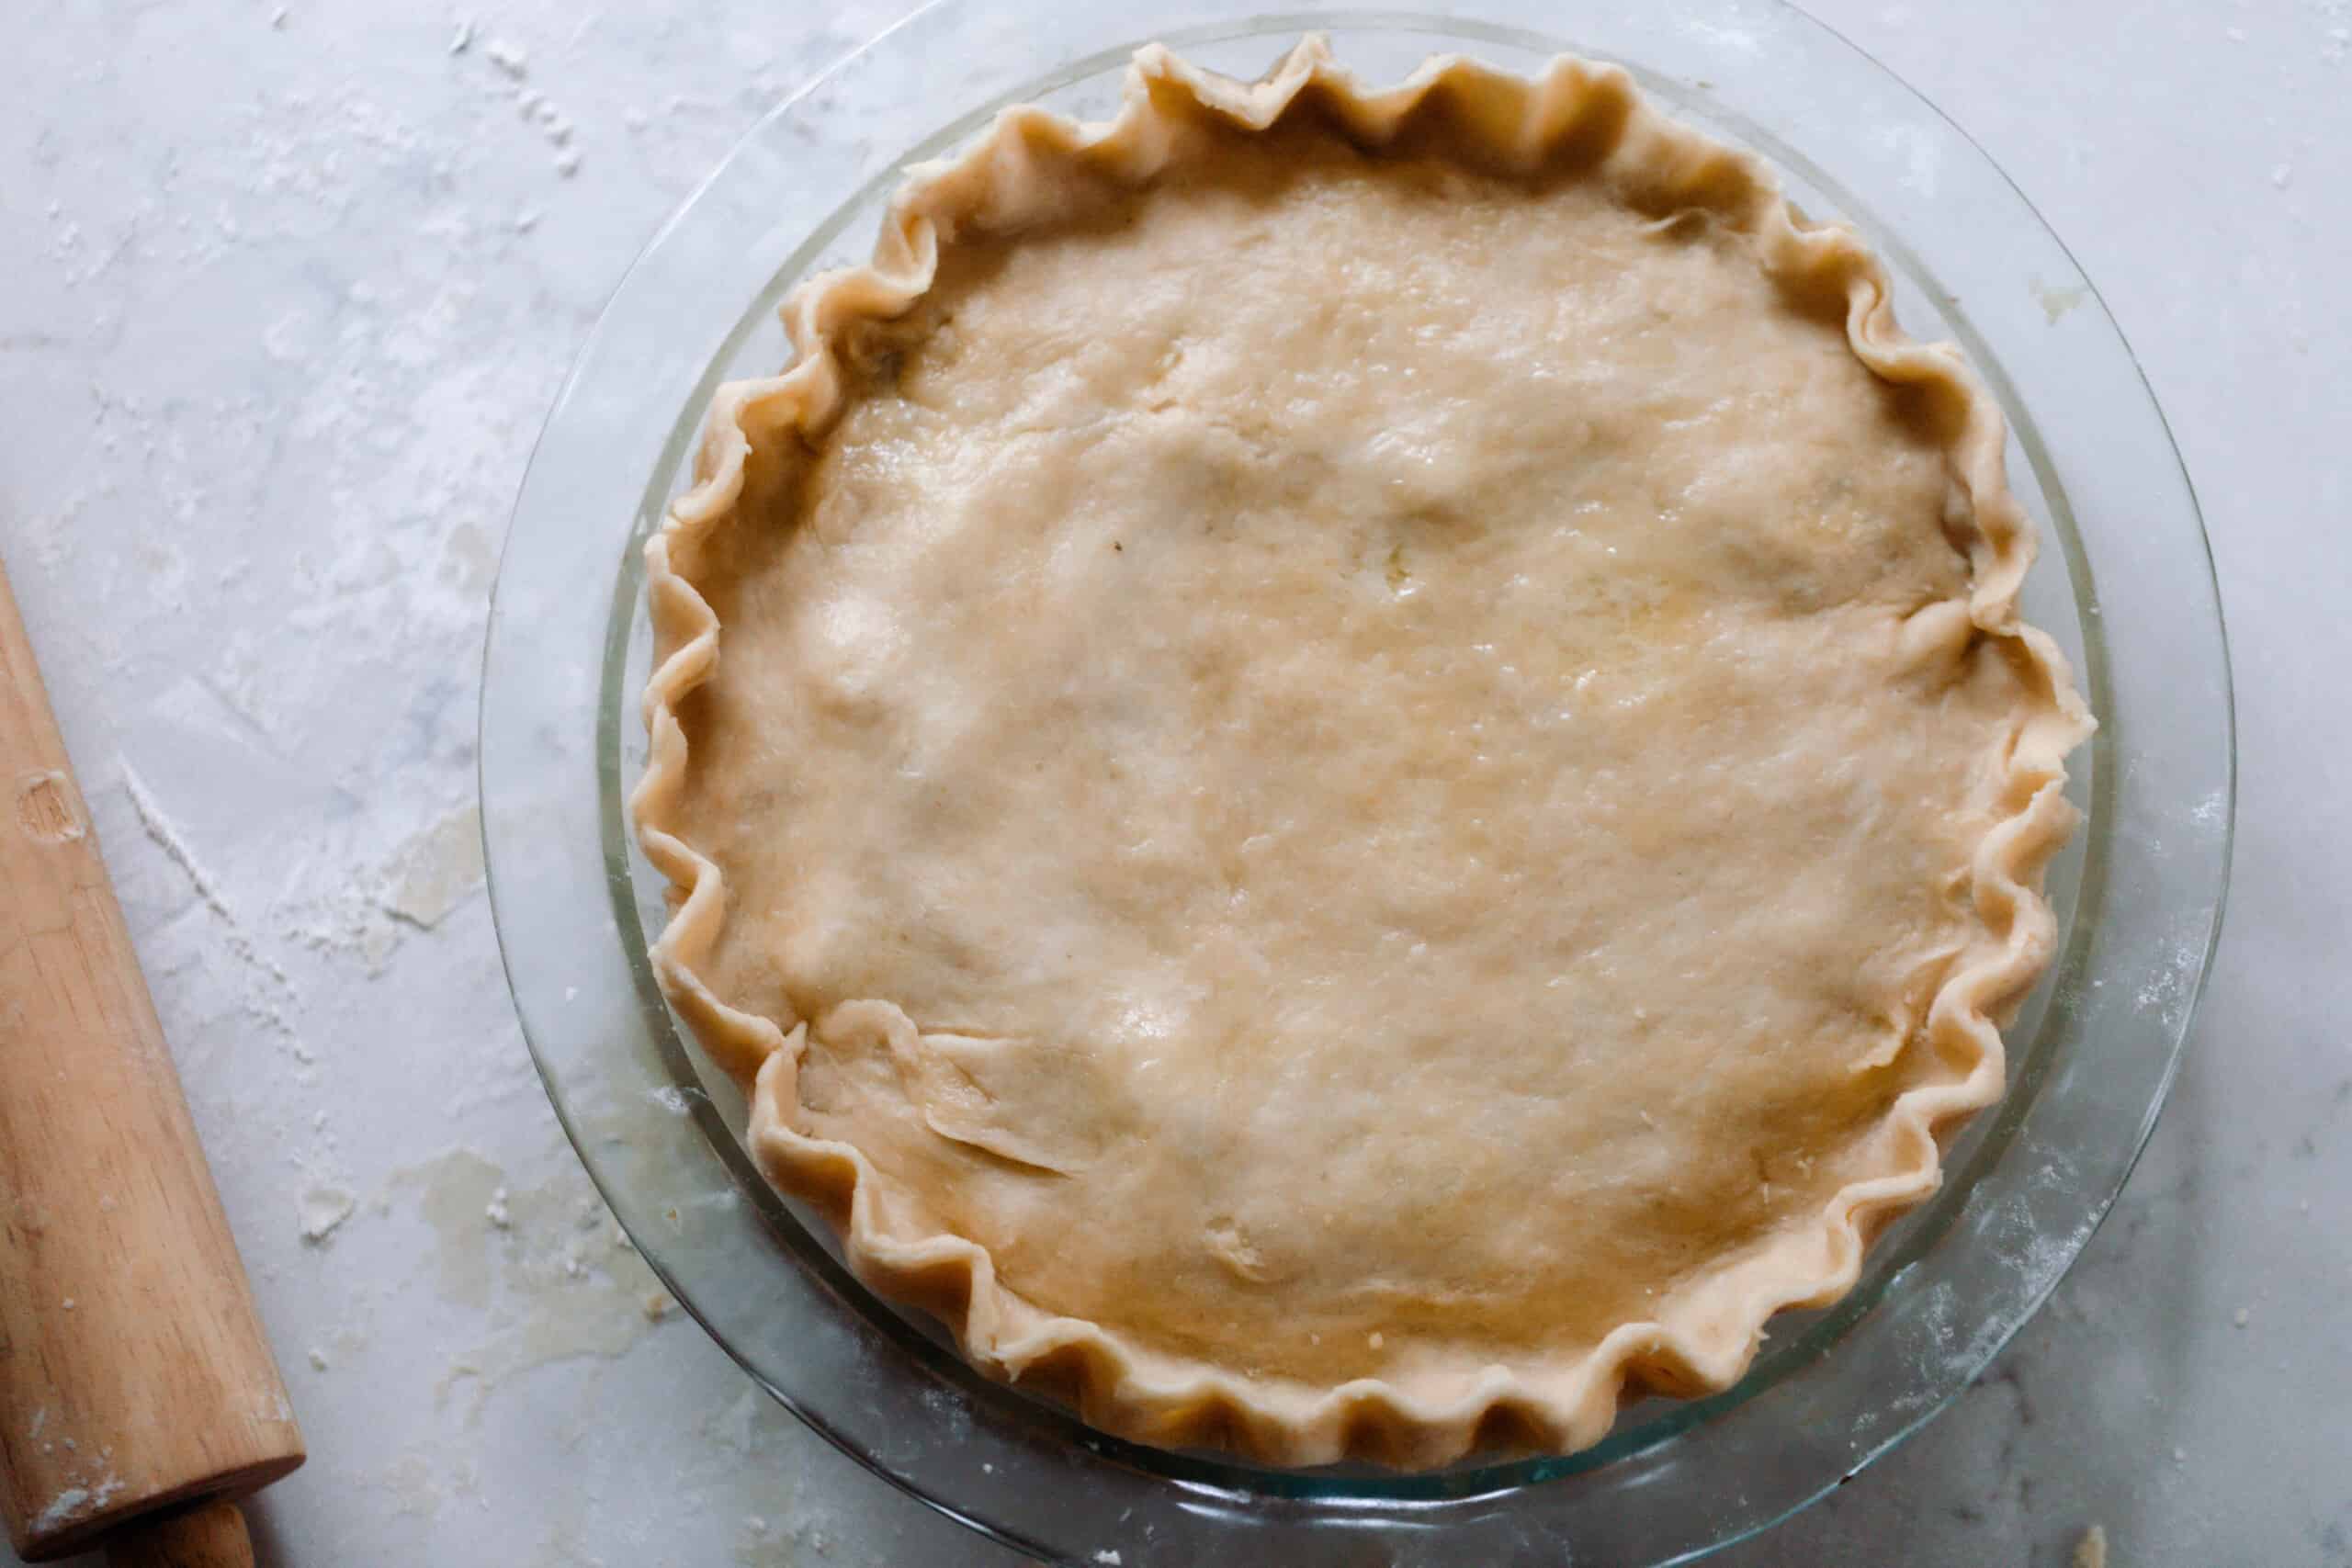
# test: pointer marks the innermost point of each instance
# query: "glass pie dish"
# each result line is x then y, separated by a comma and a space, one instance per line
2125, 586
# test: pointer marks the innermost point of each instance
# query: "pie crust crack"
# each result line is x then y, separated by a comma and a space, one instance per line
1137, 934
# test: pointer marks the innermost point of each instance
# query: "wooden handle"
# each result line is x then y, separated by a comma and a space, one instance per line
133, 1372
211, 1534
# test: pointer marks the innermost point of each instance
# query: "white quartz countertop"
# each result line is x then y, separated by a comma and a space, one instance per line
285, 291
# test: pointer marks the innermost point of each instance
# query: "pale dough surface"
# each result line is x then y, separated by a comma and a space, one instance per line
1360, 770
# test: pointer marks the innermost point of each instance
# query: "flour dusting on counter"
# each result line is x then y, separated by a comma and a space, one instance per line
166, 838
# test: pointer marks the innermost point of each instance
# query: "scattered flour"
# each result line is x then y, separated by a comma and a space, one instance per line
324, 1210
269, 991
166, 838
533, 105
509, 58
2165, 991
2057, 300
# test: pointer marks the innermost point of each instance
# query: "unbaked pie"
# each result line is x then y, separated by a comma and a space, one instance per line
1353, 771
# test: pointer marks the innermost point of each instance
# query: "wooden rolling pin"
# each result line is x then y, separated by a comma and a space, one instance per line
138, 1397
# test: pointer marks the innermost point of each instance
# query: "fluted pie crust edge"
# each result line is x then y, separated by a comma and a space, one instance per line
1498, 122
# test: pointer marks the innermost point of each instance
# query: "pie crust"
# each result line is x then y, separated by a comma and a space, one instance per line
1375, 778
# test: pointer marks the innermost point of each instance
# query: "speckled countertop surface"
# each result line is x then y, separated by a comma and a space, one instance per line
284, 293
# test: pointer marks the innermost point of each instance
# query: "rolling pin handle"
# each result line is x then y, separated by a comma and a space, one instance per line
211, 1534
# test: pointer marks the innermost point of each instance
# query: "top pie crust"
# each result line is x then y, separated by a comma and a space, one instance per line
1352, 769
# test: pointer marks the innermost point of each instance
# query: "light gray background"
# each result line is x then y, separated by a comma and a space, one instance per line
284, 293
